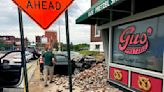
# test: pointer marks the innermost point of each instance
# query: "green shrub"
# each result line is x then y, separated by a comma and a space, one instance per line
86, 52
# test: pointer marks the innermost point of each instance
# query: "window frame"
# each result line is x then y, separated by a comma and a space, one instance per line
131, 23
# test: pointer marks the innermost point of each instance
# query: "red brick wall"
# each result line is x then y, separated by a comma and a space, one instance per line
93, 38
8, 39
93, 2
38, 39
52, 38
18, 40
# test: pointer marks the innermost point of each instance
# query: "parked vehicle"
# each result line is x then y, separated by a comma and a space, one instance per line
28, 55
9, 70
61, 66
73, 54
10, 57
15, 57
35, 53
84, 62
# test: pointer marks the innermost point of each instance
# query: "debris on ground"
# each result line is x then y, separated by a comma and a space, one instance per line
89, 80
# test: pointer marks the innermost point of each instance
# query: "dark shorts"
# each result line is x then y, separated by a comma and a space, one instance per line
41, 67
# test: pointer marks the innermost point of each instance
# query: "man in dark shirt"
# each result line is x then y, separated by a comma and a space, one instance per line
49, 62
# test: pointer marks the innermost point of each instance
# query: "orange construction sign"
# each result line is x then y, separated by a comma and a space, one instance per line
43, 12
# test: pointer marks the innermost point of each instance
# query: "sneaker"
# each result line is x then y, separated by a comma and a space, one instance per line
46, 85
51, 81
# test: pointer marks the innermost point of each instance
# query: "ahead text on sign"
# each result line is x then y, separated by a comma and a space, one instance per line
43, 4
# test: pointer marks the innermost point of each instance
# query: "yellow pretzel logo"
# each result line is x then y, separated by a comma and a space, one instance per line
117, 75
144, 83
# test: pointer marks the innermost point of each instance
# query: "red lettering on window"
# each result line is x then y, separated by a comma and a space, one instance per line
132, 43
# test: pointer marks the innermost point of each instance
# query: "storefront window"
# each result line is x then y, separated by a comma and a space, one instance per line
140, 44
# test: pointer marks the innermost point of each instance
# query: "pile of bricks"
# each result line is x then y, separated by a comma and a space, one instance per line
94, 80
90, 80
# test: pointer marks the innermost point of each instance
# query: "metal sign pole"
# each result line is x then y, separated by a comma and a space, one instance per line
23, 49
68, 50
59, 49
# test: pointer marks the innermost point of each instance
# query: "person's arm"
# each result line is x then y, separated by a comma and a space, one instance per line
54, 59
43, 57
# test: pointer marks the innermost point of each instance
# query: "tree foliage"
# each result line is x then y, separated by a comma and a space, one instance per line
4, 46
80, 47
77, 47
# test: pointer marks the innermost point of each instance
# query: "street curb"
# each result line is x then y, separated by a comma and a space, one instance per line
32, 64
33, 70
32, 73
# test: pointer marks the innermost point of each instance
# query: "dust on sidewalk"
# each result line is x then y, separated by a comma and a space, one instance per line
35, 85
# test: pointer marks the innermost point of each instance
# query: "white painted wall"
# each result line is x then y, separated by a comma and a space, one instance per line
93, 46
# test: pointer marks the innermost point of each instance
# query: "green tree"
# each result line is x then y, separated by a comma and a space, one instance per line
79, 47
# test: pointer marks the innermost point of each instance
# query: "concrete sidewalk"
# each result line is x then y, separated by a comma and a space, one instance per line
35, 84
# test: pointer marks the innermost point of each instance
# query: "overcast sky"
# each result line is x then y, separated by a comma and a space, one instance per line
78, 33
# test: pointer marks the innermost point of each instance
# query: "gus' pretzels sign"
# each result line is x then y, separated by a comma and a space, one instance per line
134, 43
43, 12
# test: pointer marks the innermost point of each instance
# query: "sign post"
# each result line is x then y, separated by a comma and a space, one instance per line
44, 13
68, 51
23, 49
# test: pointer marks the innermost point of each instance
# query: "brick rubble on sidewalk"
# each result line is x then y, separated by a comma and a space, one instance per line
90, 80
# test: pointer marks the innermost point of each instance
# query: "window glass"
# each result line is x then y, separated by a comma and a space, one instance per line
61, 58
139, 44
97, 47
97, 32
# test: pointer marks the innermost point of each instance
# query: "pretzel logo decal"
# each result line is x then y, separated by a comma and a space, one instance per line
144, 83
117, 75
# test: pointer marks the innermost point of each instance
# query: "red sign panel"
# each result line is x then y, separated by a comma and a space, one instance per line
119, 75
43, 12
146, 83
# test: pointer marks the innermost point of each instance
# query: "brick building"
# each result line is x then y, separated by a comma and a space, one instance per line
51, 39
96, 43
7, 42
8, 39
38, 39
124, 25
18, 42
13, 42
